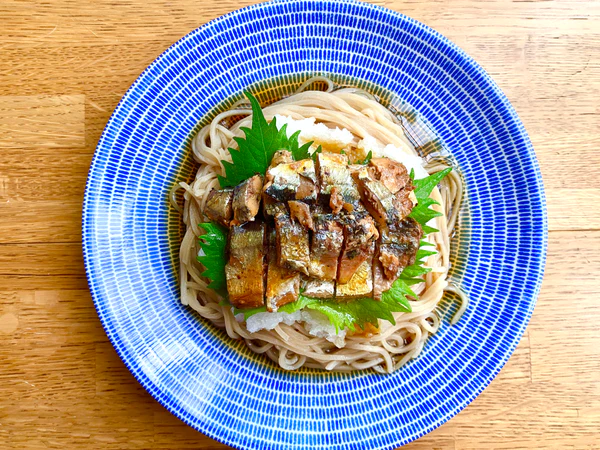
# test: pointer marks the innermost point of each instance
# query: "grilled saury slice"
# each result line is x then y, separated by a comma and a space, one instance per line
385, 206
219, 206
246, 200
392, 174
292, 243
319, 288
300, 212
360, 235
245, 268
283, 284
325, 247
396, 249
398, 246
292, 181
335, 179
361, 283
282, 157
271, 207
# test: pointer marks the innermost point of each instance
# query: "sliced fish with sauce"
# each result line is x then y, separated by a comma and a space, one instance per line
246, 200
385, 206
245, 268
325, 247
292, 243
283, 284
360, 284
219, 206
360, 235
392, 174
398, 247
300, 212
347, 255
335, 179
292, 181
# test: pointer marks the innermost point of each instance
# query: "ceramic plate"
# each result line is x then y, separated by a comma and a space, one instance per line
131, 234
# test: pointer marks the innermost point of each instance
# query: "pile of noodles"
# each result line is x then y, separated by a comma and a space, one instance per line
292, 346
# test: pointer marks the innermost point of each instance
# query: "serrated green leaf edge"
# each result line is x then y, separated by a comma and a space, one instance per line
214, 244
255, 151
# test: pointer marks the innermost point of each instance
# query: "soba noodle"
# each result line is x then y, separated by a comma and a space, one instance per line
291, 346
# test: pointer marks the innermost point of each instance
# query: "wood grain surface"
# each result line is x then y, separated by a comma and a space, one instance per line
65, 64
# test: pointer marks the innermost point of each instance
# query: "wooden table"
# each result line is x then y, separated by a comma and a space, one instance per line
65, 64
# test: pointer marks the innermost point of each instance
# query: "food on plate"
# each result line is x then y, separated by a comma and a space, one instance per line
316, 233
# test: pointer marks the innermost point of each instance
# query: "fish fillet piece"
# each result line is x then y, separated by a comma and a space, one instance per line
392, 174
246, 199
292, 243
360, 235
245, 268
282, 157
326, 245
380, 282
283, 284
292, 181
319, 288
385, 206
336, 184
300, 212
219, 206
361, 283
398, 246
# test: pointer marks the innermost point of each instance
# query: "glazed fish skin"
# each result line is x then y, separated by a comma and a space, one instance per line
219, 206
292, 244
392, 174
385, 206
271, 207
380, 282
292, 181
319, 288
245, 269
326, 245
283, 284
360, 235
376, 197
398, 247
300, 212
246, 200
281, 157
334, 173
361, 283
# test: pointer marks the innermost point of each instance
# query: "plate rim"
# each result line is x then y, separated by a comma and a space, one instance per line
87, 215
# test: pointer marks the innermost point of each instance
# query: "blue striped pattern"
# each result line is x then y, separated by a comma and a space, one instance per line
216, 386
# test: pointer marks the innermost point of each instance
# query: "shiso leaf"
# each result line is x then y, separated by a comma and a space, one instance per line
214, 245
255, 151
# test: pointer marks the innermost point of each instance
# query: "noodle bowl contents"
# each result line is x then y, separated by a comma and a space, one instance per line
316, 233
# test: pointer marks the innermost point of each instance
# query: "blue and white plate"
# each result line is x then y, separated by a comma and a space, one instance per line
131, 234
